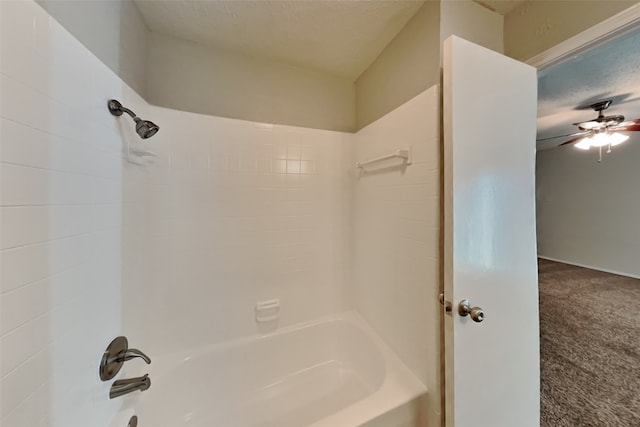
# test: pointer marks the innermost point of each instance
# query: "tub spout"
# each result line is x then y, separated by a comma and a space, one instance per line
122, 387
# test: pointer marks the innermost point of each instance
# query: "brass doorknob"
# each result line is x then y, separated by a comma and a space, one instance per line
465, 309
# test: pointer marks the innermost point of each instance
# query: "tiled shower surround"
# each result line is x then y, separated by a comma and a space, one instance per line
171, 241
231, 213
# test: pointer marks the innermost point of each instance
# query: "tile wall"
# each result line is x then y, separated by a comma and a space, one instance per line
230, 213
397, 236
60, 219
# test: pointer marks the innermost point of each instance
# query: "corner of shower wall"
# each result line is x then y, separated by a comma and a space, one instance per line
349, 174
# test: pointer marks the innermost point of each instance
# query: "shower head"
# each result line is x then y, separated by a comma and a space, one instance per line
144, 128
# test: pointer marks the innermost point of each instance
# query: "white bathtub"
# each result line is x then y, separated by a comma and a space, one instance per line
334, 372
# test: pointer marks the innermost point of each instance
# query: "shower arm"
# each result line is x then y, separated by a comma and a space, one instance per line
117, 109
129, 112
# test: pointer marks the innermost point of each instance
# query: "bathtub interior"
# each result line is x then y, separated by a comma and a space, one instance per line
334, 372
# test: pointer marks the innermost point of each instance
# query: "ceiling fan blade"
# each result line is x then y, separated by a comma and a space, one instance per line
564, 136
587, 123
630, 126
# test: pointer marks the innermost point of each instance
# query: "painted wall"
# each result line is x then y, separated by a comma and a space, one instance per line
410, 63
406, 67
192, 77
231, 213
183, 75
113, 30
587, 212
60, 212
178, 74
472, 22
397, 237
536, 26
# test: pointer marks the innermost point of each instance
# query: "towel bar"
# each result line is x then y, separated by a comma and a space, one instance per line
404, 154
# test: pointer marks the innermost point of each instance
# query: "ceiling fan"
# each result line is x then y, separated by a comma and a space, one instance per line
603, 131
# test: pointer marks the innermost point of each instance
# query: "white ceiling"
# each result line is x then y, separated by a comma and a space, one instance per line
338, 37
607, 71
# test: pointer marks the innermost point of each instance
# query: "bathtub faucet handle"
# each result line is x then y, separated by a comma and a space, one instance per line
115, 355
131, 353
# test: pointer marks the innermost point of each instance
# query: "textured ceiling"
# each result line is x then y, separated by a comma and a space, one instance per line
338, 37
501, 6
608, 71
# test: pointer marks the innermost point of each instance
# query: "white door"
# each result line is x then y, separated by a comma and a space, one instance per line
492, 373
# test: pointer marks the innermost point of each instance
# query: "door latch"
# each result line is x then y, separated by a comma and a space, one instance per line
448, 308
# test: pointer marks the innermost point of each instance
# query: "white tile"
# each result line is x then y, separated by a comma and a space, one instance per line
26, 225
21, 382
60, 218
34, 186
27, 264
21, 103
33, 411
69, 69
396, 231
23, 304
245, 206
24, 342
22, 64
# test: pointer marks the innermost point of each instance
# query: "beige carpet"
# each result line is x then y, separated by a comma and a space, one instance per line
590, 347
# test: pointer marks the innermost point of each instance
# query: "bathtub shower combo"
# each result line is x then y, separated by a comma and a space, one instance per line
334, 371
265, 275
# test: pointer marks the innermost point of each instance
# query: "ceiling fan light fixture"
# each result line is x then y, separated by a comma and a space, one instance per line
599, 140
584, 144
600, 132
617, 138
